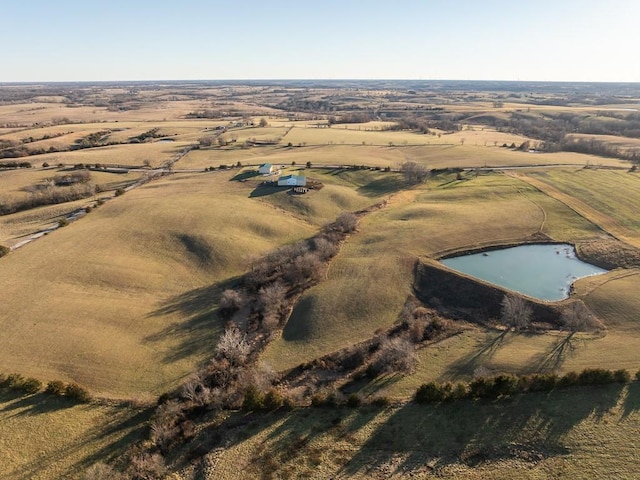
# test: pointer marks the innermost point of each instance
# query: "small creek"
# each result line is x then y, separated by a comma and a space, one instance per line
545, 271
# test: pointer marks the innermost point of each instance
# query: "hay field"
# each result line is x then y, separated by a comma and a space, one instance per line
443, 216
130, 154
28, 114
135, 321
624, 143
337, 135
43, 437
608, 198
432, 156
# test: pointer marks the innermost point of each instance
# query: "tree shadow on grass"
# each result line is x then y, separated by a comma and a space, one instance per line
291, 443
239, 177
126, 426
382, 186
468, 363
526, 427
37, 404
299, 327
453, 183
136, 427
200, 328
553, 358
265, 190
631, 402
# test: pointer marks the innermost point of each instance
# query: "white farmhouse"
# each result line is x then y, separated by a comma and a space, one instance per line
265, 169
292, 181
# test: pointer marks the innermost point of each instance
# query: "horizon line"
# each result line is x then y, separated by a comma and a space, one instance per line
275, 80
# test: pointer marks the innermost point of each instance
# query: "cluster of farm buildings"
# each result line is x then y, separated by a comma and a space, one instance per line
285, 181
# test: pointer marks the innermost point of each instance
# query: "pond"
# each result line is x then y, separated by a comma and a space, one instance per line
545, 271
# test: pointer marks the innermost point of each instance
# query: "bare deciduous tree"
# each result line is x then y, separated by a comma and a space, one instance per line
271, 296
303, 269
206, 141
233, 346
148, 466
230, 302
396, 355
577, 317
195, 391
346, 222
414, 173
324, 248
516, 312
163, 433
270, 299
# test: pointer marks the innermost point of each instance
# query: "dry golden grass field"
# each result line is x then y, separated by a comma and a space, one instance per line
43, 438
126, 295
432, 155
443, 216
576, 433
608, 198
124, 300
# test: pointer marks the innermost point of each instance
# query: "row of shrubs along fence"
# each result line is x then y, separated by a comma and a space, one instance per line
507, 385
29, 386
272, 399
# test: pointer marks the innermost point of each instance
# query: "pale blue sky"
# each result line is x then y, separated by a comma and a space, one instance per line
67, 40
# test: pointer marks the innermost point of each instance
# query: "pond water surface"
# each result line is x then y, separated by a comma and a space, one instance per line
545, 272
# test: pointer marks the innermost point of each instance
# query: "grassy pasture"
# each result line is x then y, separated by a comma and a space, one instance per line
443, 216
372, 134
17, 227
135, 322
338, 135
181, 131
624, 143
44, 438
39, 113
433, 156
608, 198
123, 301
343, 191
130, 154
14, 183
578, 433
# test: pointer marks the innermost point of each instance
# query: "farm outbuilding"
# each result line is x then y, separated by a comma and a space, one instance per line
292, 181
265, 168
